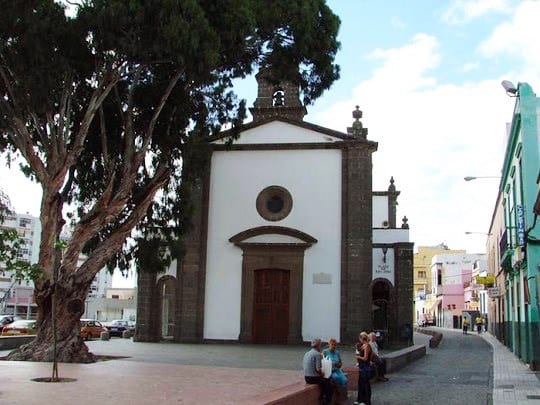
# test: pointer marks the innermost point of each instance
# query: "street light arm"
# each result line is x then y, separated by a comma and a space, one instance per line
469, 178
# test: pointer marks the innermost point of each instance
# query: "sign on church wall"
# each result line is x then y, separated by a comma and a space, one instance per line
322, 278
383, 263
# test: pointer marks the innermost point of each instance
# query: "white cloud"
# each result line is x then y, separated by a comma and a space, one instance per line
463, 11
470, 66
404, 68
397, 23
517, 37
430, 136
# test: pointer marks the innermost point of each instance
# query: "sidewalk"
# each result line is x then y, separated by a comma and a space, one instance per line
513, 382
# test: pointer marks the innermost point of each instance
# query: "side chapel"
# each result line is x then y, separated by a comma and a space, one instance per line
289, 240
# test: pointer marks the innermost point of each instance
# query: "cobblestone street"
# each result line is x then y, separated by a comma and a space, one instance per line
457, 372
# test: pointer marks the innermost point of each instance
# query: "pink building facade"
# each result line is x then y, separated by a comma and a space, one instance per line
451, 277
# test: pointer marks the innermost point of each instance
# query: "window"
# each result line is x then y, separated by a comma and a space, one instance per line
422, 274
24, 222
274, 203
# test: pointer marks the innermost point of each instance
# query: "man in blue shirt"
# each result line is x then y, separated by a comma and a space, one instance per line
313, 371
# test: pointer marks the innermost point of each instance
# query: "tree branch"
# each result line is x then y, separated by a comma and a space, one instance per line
109, 80
129, 136
107, 248
152, 125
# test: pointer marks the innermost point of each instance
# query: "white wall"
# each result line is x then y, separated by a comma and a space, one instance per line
313, 177
382, 268
380, 210
390, 235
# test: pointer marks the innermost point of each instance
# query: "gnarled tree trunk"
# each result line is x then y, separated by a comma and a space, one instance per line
70, 347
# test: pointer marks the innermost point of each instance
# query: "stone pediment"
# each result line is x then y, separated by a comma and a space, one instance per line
272, 235
280, 130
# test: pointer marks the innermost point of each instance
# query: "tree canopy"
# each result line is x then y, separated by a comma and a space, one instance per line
110, 107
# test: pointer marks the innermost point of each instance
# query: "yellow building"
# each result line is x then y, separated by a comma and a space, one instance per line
422, 276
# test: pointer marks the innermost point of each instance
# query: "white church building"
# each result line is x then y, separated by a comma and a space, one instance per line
289, 240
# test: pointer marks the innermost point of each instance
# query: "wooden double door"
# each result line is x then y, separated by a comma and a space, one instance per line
271, 306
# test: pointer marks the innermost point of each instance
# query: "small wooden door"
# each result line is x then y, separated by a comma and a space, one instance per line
271, 306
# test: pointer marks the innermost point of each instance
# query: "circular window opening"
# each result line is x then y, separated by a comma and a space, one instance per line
274, 203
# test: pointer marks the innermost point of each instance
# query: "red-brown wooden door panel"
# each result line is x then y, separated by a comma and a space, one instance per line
271, 306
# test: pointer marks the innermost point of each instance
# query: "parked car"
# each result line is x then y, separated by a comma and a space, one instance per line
7, 319
90, 328
117, 327
132, 325
19, 328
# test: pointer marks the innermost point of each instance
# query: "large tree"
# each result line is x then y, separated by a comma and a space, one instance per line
110, 106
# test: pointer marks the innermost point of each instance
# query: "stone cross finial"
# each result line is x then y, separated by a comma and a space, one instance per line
405, 225
357, 130
391, 187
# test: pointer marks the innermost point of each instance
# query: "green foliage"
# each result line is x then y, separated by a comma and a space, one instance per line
169, 66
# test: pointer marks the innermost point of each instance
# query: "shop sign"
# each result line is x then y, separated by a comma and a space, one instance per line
520, 225
494, 292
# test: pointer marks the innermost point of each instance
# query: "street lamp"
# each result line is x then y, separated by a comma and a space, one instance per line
510, 88
469, 178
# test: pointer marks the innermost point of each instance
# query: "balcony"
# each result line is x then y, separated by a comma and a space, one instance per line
503, 244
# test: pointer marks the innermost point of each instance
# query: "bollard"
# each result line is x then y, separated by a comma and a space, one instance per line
105, 336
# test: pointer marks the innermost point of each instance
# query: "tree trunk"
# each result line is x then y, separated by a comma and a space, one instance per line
70, 347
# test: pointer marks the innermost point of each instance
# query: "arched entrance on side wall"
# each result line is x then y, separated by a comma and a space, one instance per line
271, 297
381, 294
166, 289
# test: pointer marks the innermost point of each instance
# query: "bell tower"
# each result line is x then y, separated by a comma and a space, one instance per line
276, 98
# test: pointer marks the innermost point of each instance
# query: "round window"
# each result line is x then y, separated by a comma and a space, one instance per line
274, 203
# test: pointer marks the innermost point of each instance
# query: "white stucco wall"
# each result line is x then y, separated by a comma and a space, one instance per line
382, 268
380, 210
313, 177
390, 235
281, 132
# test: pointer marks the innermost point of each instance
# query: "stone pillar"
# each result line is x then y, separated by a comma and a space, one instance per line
403, 254
392, 204
191, 270
145, 330
356, 259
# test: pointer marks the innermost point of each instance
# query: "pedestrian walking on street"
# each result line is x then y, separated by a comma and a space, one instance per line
465, 325
365, 369
479, 323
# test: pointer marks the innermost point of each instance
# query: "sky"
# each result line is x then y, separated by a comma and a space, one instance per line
426, 75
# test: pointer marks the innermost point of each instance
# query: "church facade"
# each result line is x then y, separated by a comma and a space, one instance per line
289, 240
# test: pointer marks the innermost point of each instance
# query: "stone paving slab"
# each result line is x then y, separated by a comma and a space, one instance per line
513, 382
128, 382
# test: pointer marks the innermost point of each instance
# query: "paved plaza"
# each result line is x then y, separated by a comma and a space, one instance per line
463, 370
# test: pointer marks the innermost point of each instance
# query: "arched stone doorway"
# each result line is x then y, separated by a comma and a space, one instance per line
381, 292
166, 288
277, 268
